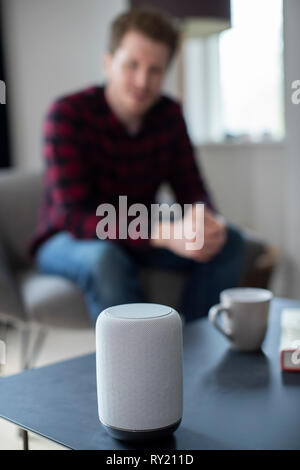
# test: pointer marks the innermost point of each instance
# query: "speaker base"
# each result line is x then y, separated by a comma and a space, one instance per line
125, 435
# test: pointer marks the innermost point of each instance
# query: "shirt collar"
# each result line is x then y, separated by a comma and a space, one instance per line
118, 125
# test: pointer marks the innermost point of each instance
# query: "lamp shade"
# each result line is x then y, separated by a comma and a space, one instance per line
198, 17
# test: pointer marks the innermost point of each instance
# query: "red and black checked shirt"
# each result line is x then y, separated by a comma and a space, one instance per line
91, 159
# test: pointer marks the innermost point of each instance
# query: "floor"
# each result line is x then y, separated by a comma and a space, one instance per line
60, 344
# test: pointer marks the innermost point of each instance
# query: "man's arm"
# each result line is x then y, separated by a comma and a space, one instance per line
189, 187
185, 178
68, 176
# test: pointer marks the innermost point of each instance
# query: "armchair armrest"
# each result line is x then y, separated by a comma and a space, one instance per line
260, 261
11, 308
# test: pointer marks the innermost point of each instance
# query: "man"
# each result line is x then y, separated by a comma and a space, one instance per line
125, 138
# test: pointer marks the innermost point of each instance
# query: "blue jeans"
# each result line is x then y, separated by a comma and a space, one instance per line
107, 273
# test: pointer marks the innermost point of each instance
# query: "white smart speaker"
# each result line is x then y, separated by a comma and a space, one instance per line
139, 370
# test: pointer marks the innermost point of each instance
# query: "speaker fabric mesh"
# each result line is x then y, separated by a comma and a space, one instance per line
139, 371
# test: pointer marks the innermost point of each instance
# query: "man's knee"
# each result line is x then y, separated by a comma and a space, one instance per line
232, 259
235, 239
234, 248
109, 266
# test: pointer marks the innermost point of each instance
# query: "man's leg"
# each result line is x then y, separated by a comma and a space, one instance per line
205, 280
101, 269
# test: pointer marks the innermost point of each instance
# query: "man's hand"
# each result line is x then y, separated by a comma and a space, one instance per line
214, 237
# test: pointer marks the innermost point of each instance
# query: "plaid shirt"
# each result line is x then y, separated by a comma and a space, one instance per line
92, 159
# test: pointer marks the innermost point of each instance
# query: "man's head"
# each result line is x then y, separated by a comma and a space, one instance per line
142, 44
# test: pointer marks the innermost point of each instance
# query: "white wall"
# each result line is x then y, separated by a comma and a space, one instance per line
52, 47
292, 156
246, 183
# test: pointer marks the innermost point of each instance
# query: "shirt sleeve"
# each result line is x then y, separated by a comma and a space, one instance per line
186, 179
68, 177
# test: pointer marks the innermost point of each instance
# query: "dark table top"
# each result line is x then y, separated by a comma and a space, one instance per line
232, 400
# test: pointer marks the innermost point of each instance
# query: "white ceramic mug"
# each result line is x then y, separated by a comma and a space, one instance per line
244, 316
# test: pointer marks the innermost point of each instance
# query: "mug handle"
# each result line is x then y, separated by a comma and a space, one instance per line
213, 318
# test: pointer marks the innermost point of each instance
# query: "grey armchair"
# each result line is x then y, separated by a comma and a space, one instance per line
35, 302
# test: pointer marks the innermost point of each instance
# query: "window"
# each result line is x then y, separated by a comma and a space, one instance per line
234, 81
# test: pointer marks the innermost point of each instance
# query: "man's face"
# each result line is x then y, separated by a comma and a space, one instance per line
135, 72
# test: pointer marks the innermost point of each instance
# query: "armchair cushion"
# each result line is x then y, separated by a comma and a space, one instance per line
53, 300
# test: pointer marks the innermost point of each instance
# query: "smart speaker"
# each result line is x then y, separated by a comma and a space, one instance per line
139, 370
